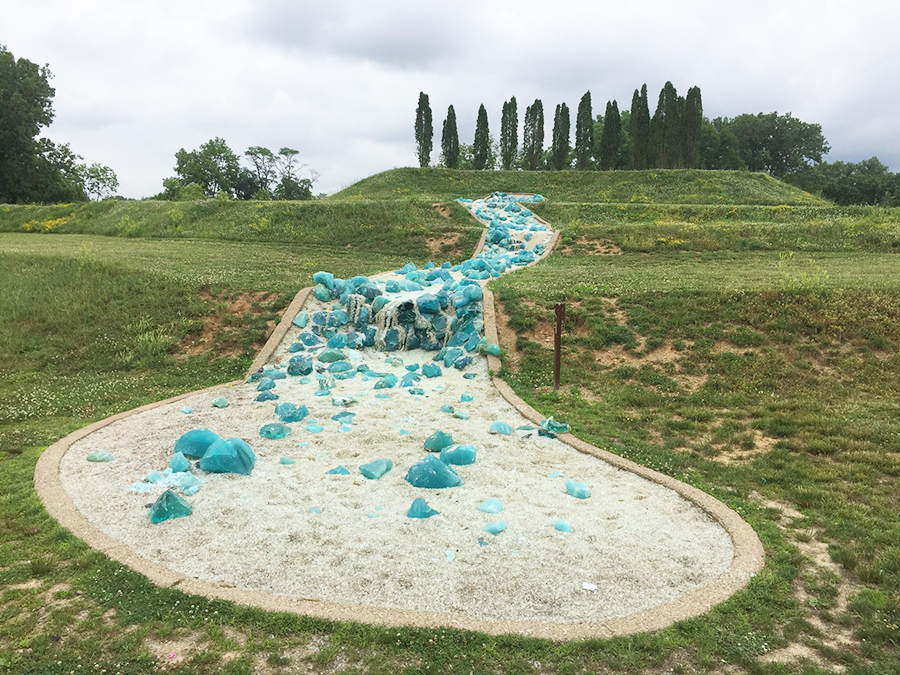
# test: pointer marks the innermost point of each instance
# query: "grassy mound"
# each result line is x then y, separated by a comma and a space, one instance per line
650, 187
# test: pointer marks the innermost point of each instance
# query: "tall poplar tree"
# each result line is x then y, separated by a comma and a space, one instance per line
559, 155
665, 129
611, 138
509, 133
450, 140
481, 148
533, 144
424, 130
584, 133
691, 125
640, 129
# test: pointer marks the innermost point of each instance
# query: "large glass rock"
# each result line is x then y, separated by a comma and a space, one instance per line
100, 456
376, 469
301, 319
459, 455
324, 278
419, 509
344, 417
266, 396
491, 505
340, 366
554, 427
492, 349
577, 490
274, 430
501, 428
265, 384
195, 442
431, 472
321, 292
330, 355
229, 456
288, 412
339, 341
428, 304
438, 441
168, 506
387, 382
431, 370
410, 379
451, 356
496, 527
220, 402
179, 463
302, 364
309, 339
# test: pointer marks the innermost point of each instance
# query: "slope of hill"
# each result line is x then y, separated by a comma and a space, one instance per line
651, 187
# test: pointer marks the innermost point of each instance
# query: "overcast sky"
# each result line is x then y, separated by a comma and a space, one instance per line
339, 81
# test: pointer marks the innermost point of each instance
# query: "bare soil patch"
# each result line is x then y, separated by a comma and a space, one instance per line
507, 337
598, 247
442, 208
252, 302
441, 245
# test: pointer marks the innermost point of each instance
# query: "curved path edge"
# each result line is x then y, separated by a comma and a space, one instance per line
749, 555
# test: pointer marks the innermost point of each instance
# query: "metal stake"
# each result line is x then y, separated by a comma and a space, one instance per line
560, 309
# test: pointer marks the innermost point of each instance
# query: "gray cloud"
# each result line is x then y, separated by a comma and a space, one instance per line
339, 81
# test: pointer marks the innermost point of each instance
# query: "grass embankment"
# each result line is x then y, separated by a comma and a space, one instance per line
652, 187
413, 228
685, 357
761, 377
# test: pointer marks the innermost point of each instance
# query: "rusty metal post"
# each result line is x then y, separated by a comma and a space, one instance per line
560, 309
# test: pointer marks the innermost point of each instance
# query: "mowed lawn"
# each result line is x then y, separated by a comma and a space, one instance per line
767, 377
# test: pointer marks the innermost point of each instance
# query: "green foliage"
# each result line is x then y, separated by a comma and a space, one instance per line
481, 147
265, 166
509, 134
584, 133
424, 130
665, 128
719, 147
640, 130
533, 136
866, 182
611, 139
778, 144
559, 152
450, 141
99, 181
691, 128
213, 166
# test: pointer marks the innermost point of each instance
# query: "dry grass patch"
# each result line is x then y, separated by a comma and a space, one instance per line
235, 309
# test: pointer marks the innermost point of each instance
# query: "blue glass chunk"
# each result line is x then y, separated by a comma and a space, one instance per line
431, 472
577, 490
194, 443
376, 469
459, 455
420, 509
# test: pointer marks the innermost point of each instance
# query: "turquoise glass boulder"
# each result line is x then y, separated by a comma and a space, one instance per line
431, 370
266, 396
324, 278
501, 428
220, 402
321, 293
375, 470
179, 463
466, 398
387, 382
301, 319
265, 384
339, 470
438, 441
458, 455
288, 412
302, 364
340, 366
330, 355
344, 417
491, 505
419, 509
274, 430
195, 442
309, 339
286, 461
229, 456
428, 304
492, 349
451, 356
339, 341
431, 472
577, 490
554, 427
495, 527
168, 506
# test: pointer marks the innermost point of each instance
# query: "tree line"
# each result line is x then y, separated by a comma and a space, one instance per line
36, 169
677, 135
215, 171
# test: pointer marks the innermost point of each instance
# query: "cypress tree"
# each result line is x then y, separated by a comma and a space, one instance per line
450, 140
665, 129
644, 113
424, 130
509, 133
584, 133
611, 138
481, 147
691, 124
533, 136
560, 147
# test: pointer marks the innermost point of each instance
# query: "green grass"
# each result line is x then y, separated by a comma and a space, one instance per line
650, 187
796, 341
400, 227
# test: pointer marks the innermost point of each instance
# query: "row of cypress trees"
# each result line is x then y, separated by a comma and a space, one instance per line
668, 140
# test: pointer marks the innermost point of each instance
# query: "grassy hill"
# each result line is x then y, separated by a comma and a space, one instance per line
650, 187
723, 328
